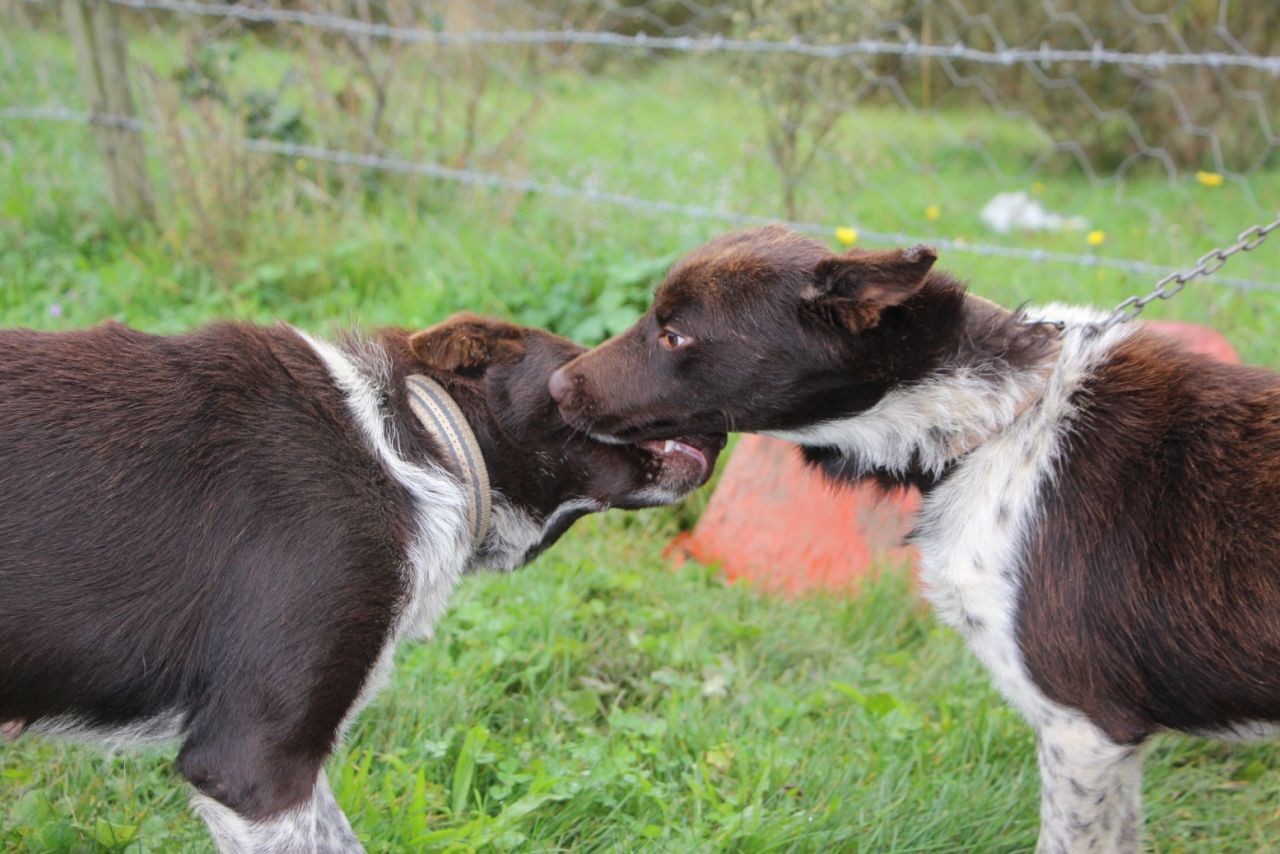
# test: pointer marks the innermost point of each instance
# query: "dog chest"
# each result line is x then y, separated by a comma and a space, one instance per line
971, 537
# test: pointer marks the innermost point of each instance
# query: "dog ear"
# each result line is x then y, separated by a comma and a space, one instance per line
854, 290
468, 343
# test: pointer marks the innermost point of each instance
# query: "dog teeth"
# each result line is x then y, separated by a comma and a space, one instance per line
669, 447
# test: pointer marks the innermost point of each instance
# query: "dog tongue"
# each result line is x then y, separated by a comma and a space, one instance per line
665, 448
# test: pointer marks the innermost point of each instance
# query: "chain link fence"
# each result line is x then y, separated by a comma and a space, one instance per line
1013, 128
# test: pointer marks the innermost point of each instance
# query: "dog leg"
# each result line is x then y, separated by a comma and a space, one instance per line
316, 826
1091, 791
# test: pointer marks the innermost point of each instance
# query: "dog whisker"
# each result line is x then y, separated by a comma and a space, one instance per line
728, 420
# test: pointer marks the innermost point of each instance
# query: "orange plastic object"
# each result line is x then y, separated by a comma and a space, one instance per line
1199, 339
782, 526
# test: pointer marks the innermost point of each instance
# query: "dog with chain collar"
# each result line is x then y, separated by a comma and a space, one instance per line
1101, 509
220, 538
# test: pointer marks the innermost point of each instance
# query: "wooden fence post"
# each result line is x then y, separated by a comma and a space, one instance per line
101, 58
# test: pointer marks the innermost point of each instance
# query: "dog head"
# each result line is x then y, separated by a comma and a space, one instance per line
544, 473
759, 330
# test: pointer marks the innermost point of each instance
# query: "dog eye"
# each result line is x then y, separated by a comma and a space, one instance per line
672, 340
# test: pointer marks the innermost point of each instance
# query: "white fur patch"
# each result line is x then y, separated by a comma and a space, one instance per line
513, 532
927, 424
441, 547
316, 826
607, 440
655, 495
572, 506
148, 732
1091, 791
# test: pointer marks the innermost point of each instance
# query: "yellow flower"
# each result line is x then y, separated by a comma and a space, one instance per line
1096, 237
1209, 179
300, 165
1037, 187
846, 235
932, 212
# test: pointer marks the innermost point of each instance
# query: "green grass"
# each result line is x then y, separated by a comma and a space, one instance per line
598, 700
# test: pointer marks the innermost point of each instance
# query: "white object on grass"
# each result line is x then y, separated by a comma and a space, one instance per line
1008, 212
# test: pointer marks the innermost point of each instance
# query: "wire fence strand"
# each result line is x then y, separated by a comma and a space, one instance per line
1043, 56
919, 116
635, 203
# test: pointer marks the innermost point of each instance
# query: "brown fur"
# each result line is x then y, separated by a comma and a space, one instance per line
467, 342
196, 525
1152, 591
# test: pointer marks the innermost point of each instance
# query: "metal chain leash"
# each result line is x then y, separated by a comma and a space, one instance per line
1209, 263
1246, 241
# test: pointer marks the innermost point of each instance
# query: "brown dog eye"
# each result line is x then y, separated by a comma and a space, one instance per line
673, 340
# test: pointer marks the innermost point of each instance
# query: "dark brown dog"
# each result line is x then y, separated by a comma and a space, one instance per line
220, 537
1101, 517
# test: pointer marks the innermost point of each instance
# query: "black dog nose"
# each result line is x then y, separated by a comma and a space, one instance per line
559, 385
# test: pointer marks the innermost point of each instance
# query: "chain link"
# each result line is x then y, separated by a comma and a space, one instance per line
1171, 285
1209, 263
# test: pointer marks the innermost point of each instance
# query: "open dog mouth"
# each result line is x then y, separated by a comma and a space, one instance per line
699, 452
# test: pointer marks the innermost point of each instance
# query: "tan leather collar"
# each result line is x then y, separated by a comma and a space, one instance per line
440, 416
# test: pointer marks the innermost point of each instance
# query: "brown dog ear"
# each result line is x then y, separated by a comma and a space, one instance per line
853, 290
467, 342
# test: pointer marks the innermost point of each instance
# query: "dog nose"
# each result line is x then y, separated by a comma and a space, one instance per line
559, 385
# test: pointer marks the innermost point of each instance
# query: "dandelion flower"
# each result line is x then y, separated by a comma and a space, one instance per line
1038, 187
932, 212
1209, 179
846, 235
1096, 237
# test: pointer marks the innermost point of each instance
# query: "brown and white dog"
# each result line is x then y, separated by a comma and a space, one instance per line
221, 537
1101, 513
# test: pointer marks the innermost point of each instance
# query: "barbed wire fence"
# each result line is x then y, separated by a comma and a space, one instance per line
887, 121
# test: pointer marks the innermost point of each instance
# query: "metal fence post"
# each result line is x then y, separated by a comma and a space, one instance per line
101, 58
